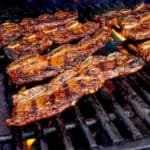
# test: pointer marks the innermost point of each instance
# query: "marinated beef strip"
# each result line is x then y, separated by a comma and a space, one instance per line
38, 42
47, 21
10, 31
37, 68
66, 89
124, 15
144, 50
136, 27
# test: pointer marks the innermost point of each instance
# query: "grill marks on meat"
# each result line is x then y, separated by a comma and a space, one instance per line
47, 21
134, 24
136, 27
38, 42
67, 88
37, 68
144, 50
11, 31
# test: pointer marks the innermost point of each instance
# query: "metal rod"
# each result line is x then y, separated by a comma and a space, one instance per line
104, 120
65, 135
140, 89
122, 115
132, 98
85, 129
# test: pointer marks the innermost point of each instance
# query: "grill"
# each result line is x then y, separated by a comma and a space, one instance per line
116, 117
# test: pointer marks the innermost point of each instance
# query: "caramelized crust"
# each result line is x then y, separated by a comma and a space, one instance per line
36, 43
144, 50
11, 31
37, 68
134, 24
65, 90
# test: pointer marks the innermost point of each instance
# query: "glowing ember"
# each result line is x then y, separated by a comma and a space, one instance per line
29, 143
121, 37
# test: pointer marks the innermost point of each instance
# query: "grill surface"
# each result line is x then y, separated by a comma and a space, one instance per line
116, 117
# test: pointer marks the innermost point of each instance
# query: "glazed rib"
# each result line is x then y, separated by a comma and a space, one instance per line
136, 27
37, 68
11, 31
123, 16
47, 21
144, 50
134, 24
65, 90
38, 42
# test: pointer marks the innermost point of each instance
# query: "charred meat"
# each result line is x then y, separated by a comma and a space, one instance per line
36, 43
11, 31
144, 50
65, 90
47, 21
37, 68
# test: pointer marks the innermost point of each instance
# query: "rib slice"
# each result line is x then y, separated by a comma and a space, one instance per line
10, 31
134, 24
37, 68
47, 21
144, 50
65, 90
38, 42
136, 27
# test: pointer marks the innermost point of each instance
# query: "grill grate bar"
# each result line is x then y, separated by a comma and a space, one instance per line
119, 111
85, 128
43, 143
140, 89
132, 98
65, 135
104, 120
144, 78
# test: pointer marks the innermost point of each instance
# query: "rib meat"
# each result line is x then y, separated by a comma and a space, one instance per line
38, 42
136, 27
134, 24
11, 31
144, 50
65, 90
47, 21
37, 68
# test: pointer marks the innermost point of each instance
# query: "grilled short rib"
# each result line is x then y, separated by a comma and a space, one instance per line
10, 31
37, 68
134, 24
144, 50
66, 89
47, 21
38, 42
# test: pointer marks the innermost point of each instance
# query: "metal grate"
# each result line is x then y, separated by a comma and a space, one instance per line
116, 117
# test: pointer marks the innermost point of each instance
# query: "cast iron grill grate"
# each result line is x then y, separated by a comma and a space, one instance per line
116, 117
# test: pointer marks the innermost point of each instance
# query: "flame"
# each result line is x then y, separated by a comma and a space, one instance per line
29, 143
121, 37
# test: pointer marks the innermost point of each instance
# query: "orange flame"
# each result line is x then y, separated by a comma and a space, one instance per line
121, 37
29, 143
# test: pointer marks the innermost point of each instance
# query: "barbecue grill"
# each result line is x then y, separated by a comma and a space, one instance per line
116, 117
